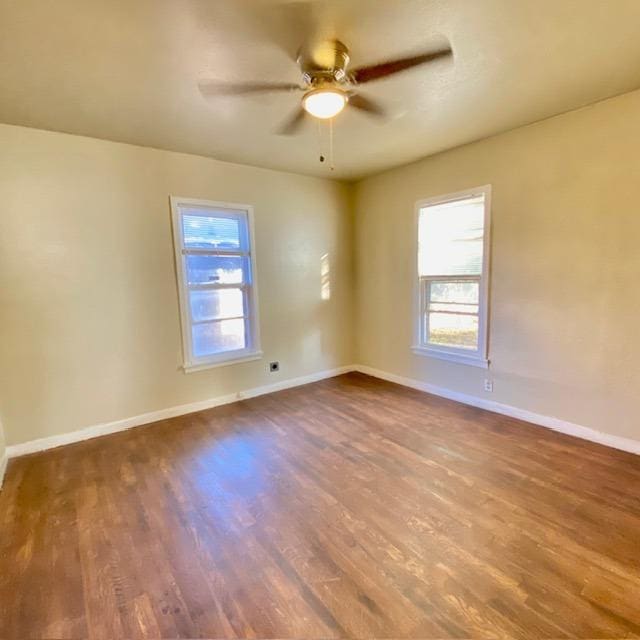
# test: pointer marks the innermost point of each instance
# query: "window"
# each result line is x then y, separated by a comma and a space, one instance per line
215, 268
453, 269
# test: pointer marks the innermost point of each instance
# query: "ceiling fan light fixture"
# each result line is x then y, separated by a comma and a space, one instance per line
324, 103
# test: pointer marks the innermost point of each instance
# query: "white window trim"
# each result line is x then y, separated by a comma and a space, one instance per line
480, 357
252, 351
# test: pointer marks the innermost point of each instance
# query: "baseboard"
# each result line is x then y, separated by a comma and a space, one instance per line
41, 444
563, 426
3, 467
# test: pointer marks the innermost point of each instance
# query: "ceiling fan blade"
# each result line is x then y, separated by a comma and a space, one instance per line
384, 69
365, 104
292, 125
211, 88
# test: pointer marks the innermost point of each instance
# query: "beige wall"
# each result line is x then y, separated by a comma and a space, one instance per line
565, 299
88, 301
2, 454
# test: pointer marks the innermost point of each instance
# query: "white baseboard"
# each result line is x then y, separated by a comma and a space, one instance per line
569, 428
3, 467
41, 444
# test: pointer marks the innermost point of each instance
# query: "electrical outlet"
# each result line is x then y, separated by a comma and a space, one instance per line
488, 385
274, 366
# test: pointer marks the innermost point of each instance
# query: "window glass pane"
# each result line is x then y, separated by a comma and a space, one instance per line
448, 330
462, 292
213, 304
210, 232
217, 337
451, 238
202, 269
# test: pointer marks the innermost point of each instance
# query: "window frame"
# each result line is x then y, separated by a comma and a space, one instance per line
478, 357
252, 327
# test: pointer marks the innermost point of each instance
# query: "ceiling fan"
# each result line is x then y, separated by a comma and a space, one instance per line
328, 85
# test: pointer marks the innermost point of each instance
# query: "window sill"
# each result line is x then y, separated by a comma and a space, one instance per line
458, 358
245, 356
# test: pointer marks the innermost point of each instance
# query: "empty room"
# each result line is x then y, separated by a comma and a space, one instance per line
319, 319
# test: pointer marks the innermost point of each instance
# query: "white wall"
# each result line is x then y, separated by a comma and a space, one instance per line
88, 299
565, 288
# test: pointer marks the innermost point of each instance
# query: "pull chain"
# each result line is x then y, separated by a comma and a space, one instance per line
331, 167
319, 130
321, 155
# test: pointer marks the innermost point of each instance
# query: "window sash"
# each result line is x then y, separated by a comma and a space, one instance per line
425, 311
210, 286
215, 252
246, 304
245, 286
212, 210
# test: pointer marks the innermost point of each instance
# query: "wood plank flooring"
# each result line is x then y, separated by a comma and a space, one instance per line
348, 508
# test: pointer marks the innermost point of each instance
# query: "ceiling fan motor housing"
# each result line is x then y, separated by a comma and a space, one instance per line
325, 63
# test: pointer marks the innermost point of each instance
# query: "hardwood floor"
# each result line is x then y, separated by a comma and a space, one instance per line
348, 508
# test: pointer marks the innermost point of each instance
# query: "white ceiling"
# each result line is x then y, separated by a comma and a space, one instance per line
128, 70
